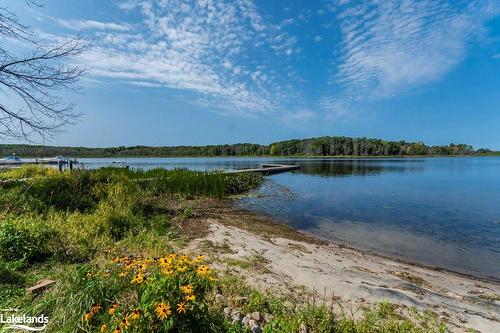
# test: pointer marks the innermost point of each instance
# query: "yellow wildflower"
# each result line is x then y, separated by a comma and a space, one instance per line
138, 278
87, 316
122, 274
103, 328
164, 261
181, 307
182, 269
184, 259
117, 330
136, 314
125, 323
167, 271
96, 308
187, 289
112, 309
199, 258
163, 310
203, 270
190, 298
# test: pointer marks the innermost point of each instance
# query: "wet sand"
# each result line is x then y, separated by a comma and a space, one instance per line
356, 278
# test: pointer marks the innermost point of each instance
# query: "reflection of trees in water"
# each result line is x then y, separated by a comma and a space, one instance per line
338, 168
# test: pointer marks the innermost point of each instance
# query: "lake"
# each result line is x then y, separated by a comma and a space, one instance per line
441, 212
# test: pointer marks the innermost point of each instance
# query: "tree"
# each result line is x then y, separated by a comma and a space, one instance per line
29, 80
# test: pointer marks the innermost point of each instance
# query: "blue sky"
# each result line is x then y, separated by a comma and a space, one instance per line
215, 71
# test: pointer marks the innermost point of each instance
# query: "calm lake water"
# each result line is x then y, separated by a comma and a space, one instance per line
437, 211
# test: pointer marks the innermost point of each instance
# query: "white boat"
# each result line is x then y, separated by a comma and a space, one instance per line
13, 159
54, 160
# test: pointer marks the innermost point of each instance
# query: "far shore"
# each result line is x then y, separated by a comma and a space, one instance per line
288, 260
117, 157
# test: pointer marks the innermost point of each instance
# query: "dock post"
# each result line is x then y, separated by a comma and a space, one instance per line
70, 165
59, 165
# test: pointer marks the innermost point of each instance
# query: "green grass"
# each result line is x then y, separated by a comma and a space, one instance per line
292, 312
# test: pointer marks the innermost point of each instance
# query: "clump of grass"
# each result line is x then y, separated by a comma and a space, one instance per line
196, 183
43, 189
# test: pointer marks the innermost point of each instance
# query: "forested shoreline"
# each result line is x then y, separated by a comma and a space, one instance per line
320, 146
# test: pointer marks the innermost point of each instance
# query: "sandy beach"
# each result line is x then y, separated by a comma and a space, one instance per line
289, 261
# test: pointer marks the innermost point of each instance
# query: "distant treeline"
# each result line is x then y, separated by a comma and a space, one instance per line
321, 146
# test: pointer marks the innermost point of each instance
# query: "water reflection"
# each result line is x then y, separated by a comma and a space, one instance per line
356, 167
440, 212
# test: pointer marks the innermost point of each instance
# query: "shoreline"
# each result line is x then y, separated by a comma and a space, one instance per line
399, 259
402, 260
276, 156
288, 260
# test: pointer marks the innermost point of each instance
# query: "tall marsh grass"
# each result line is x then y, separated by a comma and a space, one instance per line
36, 189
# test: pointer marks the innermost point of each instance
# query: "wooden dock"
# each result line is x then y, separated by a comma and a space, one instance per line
269, 169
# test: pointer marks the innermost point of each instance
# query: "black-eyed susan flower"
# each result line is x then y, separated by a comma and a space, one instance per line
182, 268
125, 323
163, 310
138, 278
87, 316
112, 309
117, 330
164, 261
190, 298
187, 289
136, 314
203, 270
95, 308
103, 328
181, 307
142, 267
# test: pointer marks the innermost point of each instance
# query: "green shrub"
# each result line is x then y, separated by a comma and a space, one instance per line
28, 171
62, 192
28, 240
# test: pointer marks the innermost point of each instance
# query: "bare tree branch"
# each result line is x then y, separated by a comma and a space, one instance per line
29, 82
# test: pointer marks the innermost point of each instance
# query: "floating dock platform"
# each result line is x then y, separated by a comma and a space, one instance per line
269, 169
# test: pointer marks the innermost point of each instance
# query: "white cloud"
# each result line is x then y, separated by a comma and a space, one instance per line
287, 22
318, 39
390, 46
91, 24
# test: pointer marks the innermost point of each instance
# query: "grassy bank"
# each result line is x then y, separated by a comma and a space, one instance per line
114, 241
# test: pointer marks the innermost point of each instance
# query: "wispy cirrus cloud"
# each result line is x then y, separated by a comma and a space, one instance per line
91, 24
218, 49
391, 46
